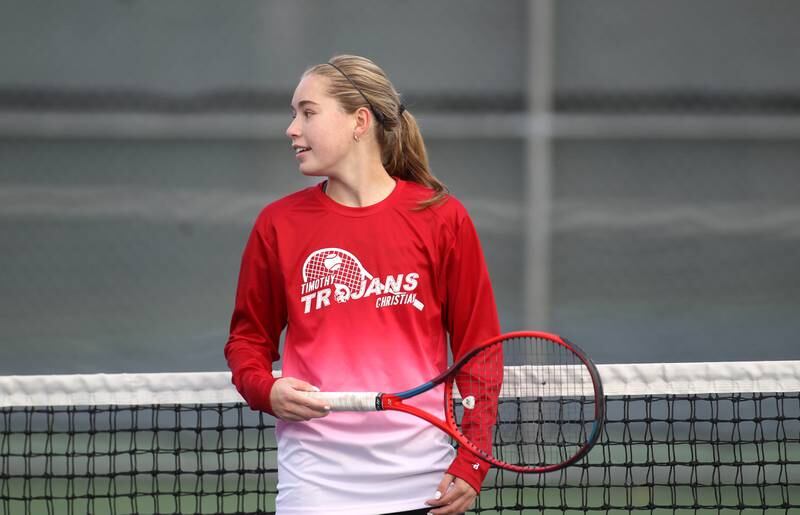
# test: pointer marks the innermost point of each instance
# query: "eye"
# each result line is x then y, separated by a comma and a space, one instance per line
307, 113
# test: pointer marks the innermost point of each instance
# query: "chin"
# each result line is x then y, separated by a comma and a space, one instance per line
310, 170
313, 173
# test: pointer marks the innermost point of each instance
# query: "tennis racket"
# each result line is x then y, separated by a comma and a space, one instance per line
349, 275
522, 401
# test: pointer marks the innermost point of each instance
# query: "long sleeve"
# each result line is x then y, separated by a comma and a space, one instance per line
471, 318
259, 317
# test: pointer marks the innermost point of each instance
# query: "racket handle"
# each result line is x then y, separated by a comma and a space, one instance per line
347, 401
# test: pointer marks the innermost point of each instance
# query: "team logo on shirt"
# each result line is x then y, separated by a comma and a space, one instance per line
334, 275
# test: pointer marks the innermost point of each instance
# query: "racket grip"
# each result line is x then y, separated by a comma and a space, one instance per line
347, 401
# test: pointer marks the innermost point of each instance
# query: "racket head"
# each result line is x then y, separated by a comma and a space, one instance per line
527, 402
349, 275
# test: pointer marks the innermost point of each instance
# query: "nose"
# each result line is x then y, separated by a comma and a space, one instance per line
292, 130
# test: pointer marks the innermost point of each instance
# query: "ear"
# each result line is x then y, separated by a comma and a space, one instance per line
363, 118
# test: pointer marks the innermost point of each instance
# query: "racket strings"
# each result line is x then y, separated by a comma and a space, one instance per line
344, 269
545, 410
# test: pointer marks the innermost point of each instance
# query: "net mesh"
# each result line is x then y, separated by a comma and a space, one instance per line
156, 451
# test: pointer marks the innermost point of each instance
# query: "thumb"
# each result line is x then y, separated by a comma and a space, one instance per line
299, 384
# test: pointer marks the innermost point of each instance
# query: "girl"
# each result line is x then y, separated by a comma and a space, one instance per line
369, 271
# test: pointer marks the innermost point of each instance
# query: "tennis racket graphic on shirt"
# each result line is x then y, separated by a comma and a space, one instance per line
349, 275
523, 401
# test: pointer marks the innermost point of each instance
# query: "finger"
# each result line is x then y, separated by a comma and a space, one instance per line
289, 417
294, 397
441, 490
459, 497
447, 510
286, 413
318, 405
305, 413
297, 417
299, 384
455, 493
465, 503
310, 402
458, 507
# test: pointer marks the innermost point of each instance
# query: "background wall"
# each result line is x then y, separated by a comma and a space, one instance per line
633, 168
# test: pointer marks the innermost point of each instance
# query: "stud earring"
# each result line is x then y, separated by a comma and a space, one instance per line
355, 137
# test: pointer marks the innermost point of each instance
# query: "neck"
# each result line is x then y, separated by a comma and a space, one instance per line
360, 190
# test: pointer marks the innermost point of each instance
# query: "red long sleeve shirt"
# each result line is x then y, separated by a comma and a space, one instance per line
368, 297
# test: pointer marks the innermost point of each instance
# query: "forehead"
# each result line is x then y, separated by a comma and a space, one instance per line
314, 88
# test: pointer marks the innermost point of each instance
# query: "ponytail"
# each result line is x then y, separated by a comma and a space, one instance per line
405, 157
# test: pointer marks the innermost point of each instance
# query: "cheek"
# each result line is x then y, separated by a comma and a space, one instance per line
332, 142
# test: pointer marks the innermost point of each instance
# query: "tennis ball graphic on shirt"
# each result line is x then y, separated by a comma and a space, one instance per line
333, 262
342, 293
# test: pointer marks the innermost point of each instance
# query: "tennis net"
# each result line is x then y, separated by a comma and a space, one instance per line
679, 438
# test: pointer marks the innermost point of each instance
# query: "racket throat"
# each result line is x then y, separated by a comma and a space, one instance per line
386, 401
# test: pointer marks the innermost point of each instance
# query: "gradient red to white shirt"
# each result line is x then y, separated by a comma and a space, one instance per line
367, 296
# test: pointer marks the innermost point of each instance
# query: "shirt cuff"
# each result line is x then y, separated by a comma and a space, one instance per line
257, 392
470, 468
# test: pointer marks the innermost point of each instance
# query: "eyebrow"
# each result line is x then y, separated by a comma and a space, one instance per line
303, 102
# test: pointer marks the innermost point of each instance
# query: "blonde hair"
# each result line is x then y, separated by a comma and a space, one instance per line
357, 82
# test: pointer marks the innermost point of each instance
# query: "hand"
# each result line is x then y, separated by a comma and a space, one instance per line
454, 496
289, 404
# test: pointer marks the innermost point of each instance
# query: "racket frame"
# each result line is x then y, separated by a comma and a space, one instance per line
394, 402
